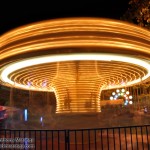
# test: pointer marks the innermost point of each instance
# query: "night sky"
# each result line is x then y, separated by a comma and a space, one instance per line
13, 15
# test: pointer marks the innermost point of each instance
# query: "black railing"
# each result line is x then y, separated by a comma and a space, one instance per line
116, 138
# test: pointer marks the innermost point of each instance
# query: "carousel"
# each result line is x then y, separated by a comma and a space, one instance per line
77, 59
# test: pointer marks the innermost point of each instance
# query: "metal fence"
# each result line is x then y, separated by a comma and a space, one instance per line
116, 138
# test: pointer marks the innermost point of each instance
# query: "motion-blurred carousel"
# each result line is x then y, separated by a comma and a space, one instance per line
76, 58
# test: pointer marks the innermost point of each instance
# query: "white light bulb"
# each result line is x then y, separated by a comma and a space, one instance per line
123, 90
111, 98
113, 93
117, 90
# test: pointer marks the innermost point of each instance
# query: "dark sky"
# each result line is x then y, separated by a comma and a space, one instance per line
14, 15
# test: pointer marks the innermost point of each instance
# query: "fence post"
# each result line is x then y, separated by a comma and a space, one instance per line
67, 143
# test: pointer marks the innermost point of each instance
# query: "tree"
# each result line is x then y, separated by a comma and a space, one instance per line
138, 13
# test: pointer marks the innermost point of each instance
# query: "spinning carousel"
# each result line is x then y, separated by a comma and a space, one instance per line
76, 58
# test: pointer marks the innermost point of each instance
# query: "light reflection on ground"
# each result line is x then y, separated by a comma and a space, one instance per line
109, 117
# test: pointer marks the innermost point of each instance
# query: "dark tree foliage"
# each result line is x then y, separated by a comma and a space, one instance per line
138, 13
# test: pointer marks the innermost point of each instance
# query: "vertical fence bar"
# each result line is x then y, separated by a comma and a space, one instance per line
5, 136
19, 133
10, 133
125, 138
68, 139
131, 137
101, 139
67, 144
52, 140
142, 137
58, 141
46, 138
75, 140
30, 132
107, 139
89, 139
82, 140
5, 133
14, 138
114, 139
95, 140
24, 136
147, 137
136, 138
35, 138
40, 140
119, 139
19, 136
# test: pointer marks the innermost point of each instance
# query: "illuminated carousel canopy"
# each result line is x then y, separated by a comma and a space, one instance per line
76, 58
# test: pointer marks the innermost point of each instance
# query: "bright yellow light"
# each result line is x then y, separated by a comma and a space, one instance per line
123, 90
81, 32
111, 98
117, 90
81, 55
69, 57
113, 93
